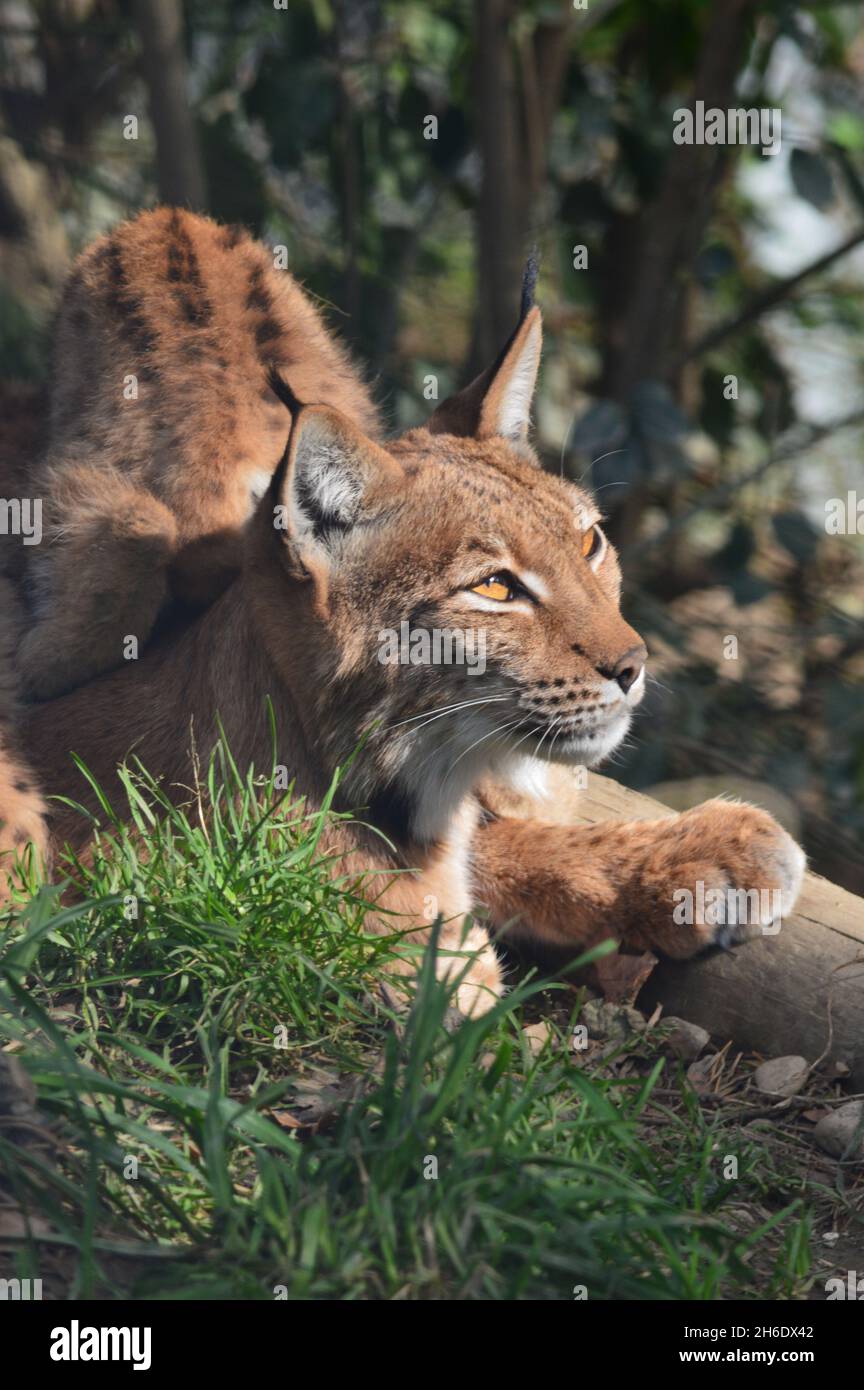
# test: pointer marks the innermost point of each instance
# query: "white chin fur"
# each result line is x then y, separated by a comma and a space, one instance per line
526, 775
438, 780
588, 750
530, 775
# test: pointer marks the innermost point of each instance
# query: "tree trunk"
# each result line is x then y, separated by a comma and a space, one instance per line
180, 173
650, 257
513, 115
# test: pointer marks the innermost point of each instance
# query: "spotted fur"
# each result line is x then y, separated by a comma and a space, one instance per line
351, 539
163, 421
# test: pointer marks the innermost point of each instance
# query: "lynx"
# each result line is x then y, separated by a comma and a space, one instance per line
318, 540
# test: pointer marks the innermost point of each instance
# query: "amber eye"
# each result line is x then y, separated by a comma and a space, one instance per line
498, 586
591, 542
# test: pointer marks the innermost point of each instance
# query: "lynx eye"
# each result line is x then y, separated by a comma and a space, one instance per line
500, 587
591, 542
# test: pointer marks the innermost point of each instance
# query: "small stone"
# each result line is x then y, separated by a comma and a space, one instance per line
837, 1070
782, 1076
537, 1036
834, 1134
686, 1040
610, 1022
699, 1074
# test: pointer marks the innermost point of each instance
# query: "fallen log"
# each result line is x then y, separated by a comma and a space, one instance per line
800, 991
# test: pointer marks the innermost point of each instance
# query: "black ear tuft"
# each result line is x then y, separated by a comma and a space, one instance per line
285, 394
529, 281
277, 482
293, 405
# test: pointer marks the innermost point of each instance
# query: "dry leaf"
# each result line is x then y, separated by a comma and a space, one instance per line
622, 976
285, 1119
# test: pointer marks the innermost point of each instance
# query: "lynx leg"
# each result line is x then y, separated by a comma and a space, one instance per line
99, 578
465, 952
470, 953
22, 811
574, 887
22, 818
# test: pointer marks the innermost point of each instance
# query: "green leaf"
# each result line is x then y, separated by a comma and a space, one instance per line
846, 129
812, 178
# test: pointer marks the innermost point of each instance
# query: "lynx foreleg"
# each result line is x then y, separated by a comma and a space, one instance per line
98, 578
22, 810
634, 882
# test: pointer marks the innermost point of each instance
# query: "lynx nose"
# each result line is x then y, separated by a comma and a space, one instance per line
629, 667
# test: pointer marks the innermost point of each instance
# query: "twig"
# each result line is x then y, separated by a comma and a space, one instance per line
812, 436
761, 303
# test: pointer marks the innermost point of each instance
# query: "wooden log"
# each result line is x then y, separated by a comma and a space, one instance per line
800, 991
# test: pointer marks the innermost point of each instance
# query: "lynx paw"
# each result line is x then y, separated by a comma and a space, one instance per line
716, 875
481, 985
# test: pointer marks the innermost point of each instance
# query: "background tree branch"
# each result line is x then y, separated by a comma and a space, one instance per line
767, 299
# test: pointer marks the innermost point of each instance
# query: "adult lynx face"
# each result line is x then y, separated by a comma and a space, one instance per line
453, 528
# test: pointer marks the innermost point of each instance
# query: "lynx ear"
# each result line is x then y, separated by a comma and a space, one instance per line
332, 478
498, 402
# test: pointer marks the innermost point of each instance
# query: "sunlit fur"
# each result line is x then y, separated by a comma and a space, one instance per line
431, 731
349, 538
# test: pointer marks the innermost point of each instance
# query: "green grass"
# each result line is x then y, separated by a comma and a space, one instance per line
228, 1105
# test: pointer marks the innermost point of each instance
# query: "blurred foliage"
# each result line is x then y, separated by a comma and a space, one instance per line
312, 121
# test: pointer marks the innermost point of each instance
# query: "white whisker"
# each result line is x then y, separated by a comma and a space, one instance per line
557, 720
555, 739
499, 729
429, 716
522, 740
